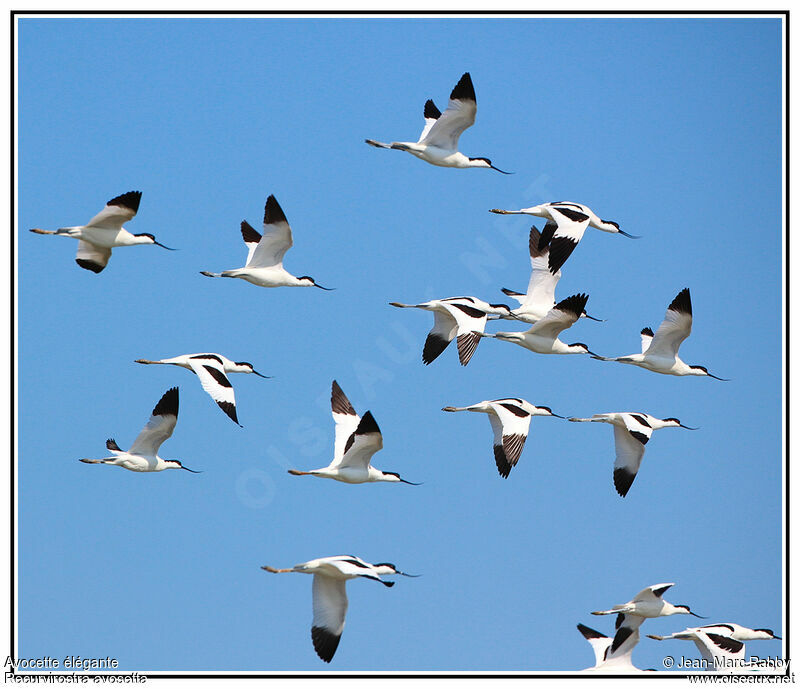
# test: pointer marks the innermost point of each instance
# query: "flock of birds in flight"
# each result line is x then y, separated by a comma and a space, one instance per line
358, 438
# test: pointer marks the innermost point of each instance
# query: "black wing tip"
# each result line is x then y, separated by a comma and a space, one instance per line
623, 480
249, 234
168, 404
325, 643
111, 444
589, 633
574, 304
339, 402
503, 466
273, 213
434, 346
726, 643
620, 637
367, 425
431, 112
230, 409
560, 250
463, 90
647, 331
89, 265
682, 303
129, 199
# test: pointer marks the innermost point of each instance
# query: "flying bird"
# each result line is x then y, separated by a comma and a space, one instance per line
542, 336
510, 418
211, 370
566, 224
265, 253
356, 440
660, 351
540, 295
462, 318
438, 143
720, 651
143, 454
329, 597
632, 430
104, 232
648, 603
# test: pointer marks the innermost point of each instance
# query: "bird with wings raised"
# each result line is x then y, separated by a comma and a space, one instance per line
540, 295
143, 454
356, 440
105, 232
265, 252
438, 143
660, 350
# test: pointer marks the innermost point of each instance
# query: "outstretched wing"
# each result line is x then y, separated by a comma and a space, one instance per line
117, 211
654, 592
541, 292
674, 329
159, 427
345, 419
459, 115
470, 322
441, 334
561, 316
431, 114
329, 602
629, 443
570, 226
364, 442
510, 423
212, 377
92, 257
276, 240
251, 239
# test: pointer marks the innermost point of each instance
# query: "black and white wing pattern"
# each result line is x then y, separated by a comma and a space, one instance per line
345, 419
470, 323
444, 330
159, 427
92, 257
364, 442
674, 329
276, 240
560, 317
599, 642
117, 211
510, 423
629, 444
625, 637
541, 292
251, 239
459, 115
329, 602
570, 224
431, 114
647, 338
718, 650
211, 372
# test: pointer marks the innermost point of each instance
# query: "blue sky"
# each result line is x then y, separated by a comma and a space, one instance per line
671, 127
